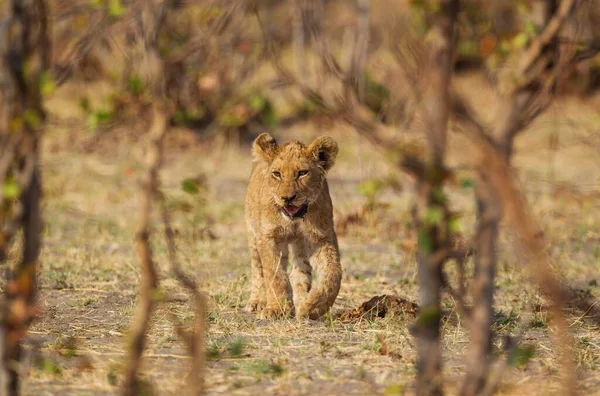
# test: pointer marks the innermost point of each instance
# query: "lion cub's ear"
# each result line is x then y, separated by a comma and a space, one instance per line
324, 150
265, 147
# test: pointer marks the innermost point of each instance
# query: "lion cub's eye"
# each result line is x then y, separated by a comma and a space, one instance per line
303, 172
276, 174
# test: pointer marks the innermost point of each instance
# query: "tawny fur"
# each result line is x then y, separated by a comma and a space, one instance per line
272, 236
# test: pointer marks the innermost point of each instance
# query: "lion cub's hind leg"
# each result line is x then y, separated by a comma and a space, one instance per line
301, 274
258, 296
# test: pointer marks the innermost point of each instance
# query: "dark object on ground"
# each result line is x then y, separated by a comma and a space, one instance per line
380, 307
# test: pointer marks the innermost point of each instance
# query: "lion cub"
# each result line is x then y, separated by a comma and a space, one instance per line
288, 207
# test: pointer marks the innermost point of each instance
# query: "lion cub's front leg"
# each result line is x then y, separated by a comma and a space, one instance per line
258, 297
326, 259
301, 274
274, 260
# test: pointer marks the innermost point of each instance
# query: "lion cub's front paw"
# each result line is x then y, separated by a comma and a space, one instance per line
254, 305
307, 312
275, 312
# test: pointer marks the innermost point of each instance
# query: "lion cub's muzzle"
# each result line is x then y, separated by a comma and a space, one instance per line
294, 212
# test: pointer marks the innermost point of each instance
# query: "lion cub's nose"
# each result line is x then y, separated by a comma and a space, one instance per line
289, 198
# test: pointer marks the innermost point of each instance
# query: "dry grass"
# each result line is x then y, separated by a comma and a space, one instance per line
90, 273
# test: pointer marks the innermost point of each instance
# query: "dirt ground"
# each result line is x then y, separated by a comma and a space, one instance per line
89, 271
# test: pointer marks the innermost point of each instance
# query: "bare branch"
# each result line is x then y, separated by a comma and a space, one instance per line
299, 41
359, 55
24, 42
149, 282
149, 25
500, 175
195, 340
393, 148
433, 236
495, 170
550, 32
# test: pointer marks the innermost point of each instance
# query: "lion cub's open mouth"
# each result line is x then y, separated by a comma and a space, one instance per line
294, 212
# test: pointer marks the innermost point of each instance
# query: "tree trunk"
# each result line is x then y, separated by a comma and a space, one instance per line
489, 214
25, 42
436, 107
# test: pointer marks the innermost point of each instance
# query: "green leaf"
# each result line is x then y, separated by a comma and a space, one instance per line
521, 355
439, 195
307, 107
98, 117
32, 118
425, 242
11, 189
135, 84
230, 120
92, 121
268, 115
454, 223
115, 8
256, 102
520, 41
530, 28
375, 88
466, 183
190, 186
434, 216
47, 83
84, 104
468, 47
370, 188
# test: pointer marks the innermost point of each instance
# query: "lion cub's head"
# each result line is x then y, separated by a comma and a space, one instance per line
295, 172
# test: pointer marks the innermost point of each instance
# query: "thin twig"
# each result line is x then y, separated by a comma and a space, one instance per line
194, 341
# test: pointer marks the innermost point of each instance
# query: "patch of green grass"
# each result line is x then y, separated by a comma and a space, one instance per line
261, 367
66, 346
539, 321
48, 366
361, 373
587, 354
226, 348
236, 347
111, 377
374, 345
58, 279
506, 322
521, 355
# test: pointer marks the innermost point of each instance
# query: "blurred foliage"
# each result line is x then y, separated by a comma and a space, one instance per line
217, 64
